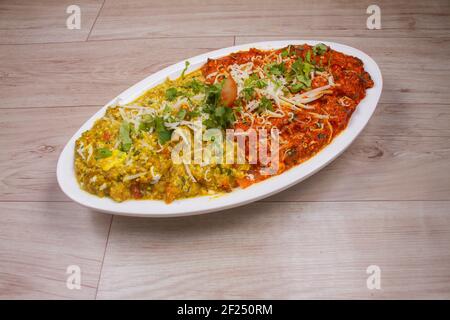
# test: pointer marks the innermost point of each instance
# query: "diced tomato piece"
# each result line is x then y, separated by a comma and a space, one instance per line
136, 191
106, 136
229, 92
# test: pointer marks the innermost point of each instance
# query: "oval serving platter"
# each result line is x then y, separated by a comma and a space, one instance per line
191, 206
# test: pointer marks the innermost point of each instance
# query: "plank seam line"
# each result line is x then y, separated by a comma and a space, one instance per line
285, 37
104, 255
445, 38
95, 21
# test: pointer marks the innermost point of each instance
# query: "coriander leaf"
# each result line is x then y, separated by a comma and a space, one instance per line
300, 71
305, 79
124, 136
164, 135
320, 49
308, 56
288, 51
252, 82
248, 93
171, 94
147, 122
297, 65
260, 83
265, 104
307, 67
296, 87
181, 114
196, 86
220, 117
213, 93
284, 53
275, 69
186, 66
193, 114
103, 153
219, 112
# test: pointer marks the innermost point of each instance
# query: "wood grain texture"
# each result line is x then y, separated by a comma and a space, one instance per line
88, 73
25, 21
385, 201
273, 250
38, 241
299, 18
381, 168
403, 155
92, 73
31, 144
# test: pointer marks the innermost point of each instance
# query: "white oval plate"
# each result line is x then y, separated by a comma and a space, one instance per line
153, 208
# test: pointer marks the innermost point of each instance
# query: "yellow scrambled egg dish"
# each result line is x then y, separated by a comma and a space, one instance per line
127, 153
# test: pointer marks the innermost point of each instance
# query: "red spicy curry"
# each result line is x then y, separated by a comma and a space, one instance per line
309, 93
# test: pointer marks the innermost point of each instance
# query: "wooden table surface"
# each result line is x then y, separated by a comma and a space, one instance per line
384, 202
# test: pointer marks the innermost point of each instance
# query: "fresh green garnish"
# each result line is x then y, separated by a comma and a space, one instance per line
265, 104
320, 49
287, 52
219, 117
124, 136
304, 81
248, 93
103, 153
186, 66
171, 94
260, 83
307, 68
196, 86
181, 114
300, 72
163, 133
193, 113
252, 82
213, 93
296, 87
308, 56
147, 122
275, 69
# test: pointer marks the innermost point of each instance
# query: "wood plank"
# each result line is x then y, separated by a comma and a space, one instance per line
410, 120
92, 73
414, 71
88, 73
29, 158
44, 21
381, 168
398, 157
320, 235
316, 250
40, 240
265, 17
